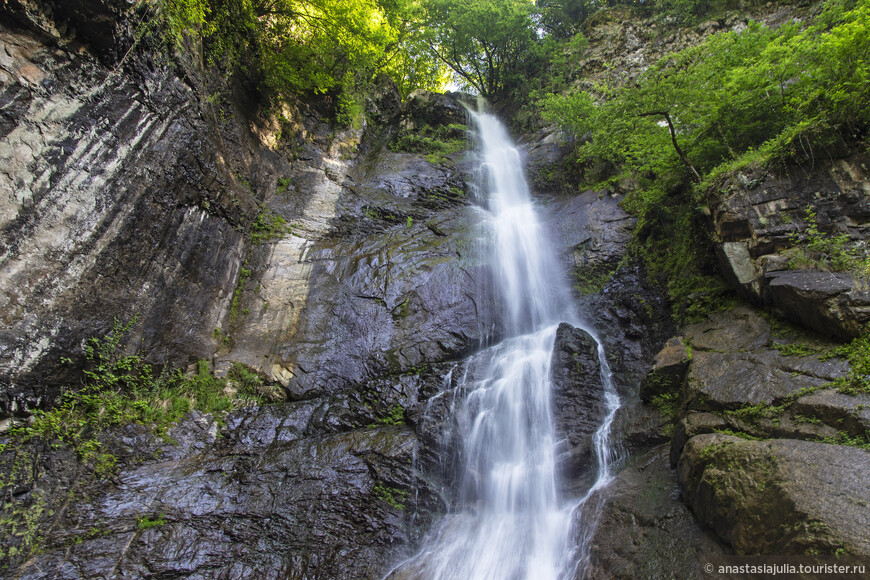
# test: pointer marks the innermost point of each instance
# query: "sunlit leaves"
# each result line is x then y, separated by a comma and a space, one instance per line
483, 41
735, 92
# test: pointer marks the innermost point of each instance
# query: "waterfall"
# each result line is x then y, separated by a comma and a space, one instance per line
509, 521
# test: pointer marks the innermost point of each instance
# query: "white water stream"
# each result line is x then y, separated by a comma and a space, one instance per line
510, 522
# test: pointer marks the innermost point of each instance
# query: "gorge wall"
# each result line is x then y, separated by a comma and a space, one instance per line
130, 186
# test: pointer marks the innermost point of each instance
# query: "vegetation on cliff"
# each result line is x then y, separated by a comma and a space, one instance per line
755, 95
328, 48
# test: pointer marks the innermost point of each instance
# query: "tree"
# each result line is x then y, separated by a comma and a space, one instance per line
483, 41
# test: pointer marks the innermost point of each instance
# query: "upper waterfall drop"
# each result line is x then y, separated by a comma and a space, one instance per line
530, 284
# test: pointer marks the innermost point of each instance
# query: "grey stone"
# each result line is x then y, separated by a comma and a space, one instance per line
781, 496
578, 398
668, 371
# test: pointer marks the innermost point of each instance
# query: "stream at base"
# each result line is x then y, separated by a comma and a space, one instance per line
509, 521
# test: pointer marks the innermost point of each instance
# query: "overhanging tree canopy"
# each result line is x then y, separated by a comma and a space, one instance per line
483, 41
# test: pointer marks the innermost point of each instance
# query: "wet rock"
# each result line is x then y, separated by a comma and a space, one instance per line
734, 366
591, 232
388, 304
109, 209
579, 405
737, 330
725, 381
259, 500
779, 497
633, 320
668, 371
644, 530
637, 427
849, 413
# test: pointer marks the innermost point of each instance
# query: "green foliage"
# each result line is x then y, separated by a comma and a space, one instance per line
244, 274
795, 349
180, 18
672, 240
435, 142
145, 522
816, 250
331, 48
737, 99
668, 404
484, 42
121, 389
393, 496
740, 434
857, 353
735, 92
843, 438
396, 416
269, 226
563, 18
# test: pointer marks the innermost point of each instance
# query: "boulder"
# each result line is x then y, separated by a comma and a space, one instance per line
737, 330
579, 403
830, 304
644, 530
781, 496
726, 381
668, 371
734, 364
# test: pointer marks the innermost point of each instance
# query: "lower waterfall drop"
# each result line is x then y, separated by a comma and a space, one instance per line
510, 522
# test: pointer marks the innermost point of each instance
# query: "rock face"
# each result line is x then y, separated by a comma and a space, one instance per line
124, 191
121, 192
115, 200
759, 217
273, 497
645, 532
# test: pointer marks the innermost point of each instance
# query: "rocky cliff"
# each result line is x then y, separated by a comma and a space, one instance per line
133, 184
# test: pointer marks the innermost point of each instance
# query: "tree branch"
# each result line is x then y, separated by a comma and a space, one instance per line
680, 152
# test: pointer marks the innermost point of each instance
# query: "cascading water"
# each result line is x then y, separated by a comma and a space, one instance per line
511, 521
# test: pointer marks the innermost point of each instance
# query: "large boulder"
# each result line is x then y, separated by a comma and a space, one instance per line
779, 497
579, 403
734, 365
831, 304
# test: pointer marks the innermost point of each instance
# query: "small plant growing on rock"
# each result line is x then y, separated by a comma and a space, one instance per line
146, 522
393, 496
822, 251
269, 226
395, 417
